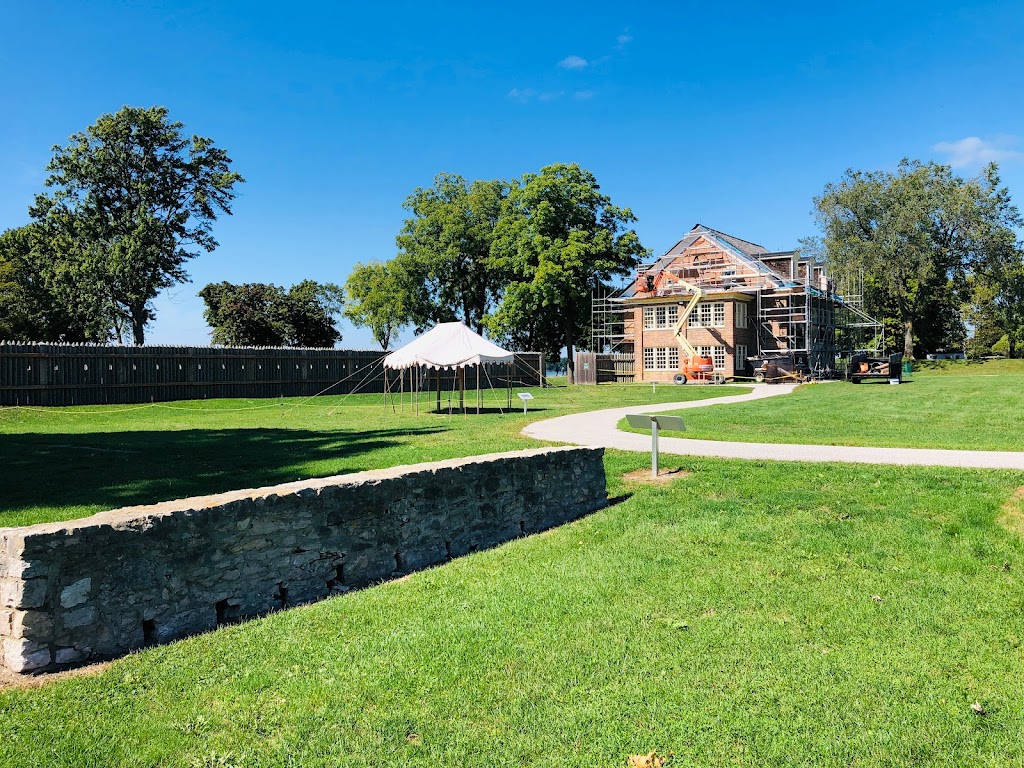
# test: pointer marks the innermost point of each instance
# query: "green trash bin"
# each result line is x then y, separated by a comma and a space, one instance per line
908, 367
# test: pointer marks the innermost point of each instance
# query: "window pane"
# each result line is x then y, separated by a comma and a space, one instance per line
648, 318
648, 358
673, 358
719, 310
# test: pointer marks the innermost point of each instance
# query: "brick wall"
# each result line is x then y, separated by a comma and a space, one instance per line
728, 336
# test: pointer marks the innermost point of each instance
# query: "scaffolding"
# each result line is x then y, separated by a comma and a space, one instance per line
799, 318
812, 327
611, 324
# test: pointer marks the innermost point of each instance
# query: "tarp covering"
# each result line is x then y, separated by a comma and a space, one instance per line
447, 345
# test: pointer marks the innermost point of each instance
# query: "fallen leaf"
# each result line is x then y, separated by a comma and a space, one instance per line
650, 760
977, 709
877, 598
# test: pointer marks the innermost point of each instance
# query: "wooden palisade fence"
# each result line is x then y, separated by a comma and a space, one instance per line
88, 374
603, 368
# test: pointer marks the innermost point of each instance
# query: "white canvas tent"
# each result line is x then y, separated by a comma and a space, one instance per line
447, 346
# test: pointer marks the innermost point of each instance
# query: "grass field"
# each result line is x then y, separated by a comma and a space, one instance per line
61, 464
958, 406
747, 614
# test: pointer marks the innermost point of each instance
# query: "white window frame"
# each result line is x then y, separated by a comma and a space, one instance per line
708, 314
740, 357
661, 358
742, 313
660, 316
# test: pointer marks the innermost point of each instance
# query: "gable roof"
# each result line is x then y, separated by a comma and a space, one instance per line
750, 254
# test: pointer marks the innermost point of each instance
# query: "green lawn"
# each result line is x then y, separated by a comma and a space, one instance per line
61, 464
748, 614
974, 407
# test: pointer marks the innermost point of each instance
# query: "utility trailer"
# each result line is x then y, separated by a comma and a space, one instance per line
775, 368
862, 367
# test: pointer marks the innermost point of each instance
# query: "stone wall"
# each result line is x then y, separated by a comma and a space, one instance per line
102, 586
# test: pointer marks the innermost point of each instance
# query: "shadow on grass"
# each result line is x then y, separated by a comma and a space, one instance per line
517, 407
115, 469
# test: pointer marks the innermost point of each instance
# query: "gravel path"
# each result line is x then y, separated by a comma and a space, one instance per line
598, 428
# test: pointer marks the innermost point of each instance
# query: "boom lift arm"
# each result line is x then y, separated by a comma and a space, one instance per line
694, 367
679, 329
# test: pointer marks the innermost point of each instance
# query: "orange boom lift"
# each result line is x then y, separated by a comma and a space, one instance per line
694, 367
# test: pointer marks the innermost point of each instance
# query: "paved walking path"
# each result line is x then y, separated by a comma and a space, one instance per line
598, 429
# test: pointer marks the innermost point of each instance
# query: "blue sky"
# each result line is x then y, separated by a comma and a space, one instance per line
733, 115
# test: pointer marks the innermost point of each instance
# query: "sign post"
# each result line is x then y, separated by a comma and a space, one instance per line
526, 397
654, 423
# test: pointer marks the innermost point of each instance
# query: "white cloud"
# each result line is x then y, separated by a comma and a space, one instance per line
522, 95
623, 40
974, 151
583, 95
526, 95
573, 62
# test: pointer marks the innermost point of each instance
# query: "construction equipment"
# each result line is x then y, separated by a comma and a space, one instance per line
693, 367
773, 368
864, 368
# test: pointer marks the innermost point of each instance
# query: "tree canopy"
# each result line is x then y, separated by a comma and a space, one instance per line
445, 250
376, 299
131, 200
917, 236
47, 293
559, 238
517, 260
260, 314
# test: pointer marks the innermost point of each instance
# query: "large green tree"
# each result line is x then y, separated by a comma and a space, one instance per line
559, 237
996, 308
375, 298
261, 314
445, 249
917, 235
310, 310
131, 200
47, 293
242, 315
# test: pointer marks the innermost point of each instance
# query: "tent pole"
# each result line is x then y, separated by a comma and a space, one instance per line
478, 389
462, 390
438, 390
417, 390
401, 389
385, 389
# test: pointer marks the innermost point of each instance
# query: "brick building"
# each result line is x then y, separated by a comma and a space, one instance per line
758, 303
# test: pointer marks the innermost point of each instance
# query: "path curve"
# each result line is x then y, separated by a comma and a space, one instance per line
598, 429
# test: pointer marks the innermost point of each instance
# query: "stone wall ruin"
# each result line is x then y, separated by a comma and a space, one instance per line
102, 586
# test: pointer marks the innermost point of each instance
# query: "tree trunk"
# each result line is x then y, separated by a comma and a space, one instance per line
908, 339
1012, 342
139, 326
570, 371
